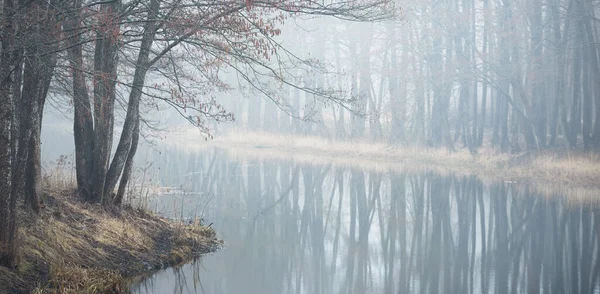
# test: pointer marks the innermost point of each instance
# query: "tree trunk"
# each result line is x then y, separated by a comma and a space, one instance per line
105, 76
560, 52
83, 126
503, 19
358, 108
397, 127
573, 127
587, 99
441, 98
503, 120
128, 164
7, 203
40, 61
594, 76
133, 108
37, 77
17, 84
318, 81
296, 123
340, 130
473, 46
538, 105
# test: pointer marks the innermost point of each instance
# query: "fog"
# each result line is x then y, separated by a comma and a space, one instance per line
293, 227
461, 110
515, 75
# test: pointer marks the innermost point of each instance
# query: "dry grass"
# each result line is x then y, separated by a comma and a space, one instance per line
75, 247
544, 169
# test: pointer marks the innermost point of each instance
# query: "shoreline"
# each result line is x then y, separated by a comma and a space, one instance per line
546, 168
74, 247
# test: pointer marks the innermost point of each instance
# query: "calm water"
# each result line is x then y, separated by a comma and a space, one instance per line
298, 228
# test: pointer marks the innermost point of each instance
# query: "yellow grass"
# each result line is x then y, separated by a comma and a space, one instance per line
75, 247
544, 169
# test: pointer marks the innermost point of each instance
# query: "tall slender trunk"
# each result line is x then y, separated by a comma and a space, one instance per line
503, 120
133, 108
594, 75
40, 60
296, 123
587, 99
128, 169
538, 105
441, 100
318, 80
105, 76
420, 130
83, 125
504, 18
17, 84
8, 63
26, 62
361, 90
559, 67
397, 127
284, 115
472, 55
341, 124
37, 76
573, 127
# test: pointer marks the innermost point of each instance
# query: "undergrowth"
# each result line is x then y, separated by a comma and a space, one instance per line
76, 247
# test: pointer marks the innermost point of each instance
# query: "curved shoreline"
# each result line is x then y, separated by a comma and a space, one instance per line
75, 247
547, 169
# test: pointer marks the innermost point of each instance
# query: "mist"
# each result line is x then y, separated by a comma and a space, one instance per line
511, 75
372, 146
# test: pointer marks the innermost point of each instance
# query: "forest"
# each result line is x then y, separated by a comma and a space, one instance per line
511, 76
100, 57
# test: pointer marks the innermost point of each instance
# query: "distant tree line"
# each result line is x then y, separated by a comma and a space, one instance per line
513, 74
112, 56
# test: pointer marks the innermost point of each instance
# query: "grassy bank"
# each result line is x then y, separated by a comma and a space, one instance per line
75, 247
558, 168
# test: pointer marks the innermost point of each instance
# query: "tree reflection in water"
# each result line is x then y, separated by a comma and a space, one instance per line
292, 228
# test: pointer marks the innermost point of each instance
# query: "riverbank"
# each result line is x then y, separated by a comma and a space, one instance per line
76, 247
546, 168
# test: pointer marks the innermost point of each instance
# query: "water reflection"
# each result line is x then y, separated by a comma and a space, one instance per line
322, 229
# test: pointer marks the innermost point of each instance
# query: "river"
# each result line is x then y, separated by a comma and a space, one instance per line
297, 227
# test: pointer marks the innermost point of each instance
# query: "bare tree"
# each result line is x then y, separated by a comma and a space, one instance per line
216, 34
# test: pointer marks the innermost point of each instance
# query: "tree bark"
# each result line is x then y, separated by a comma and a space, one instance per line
83, 125
133, 108
340, 130
473, 46
397, 127
594, 77
105, 76
573, 127
587, 100
440, 131
127, 170
536, 77
7, 203
558, 79
40, 60
358, 108
36, 82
